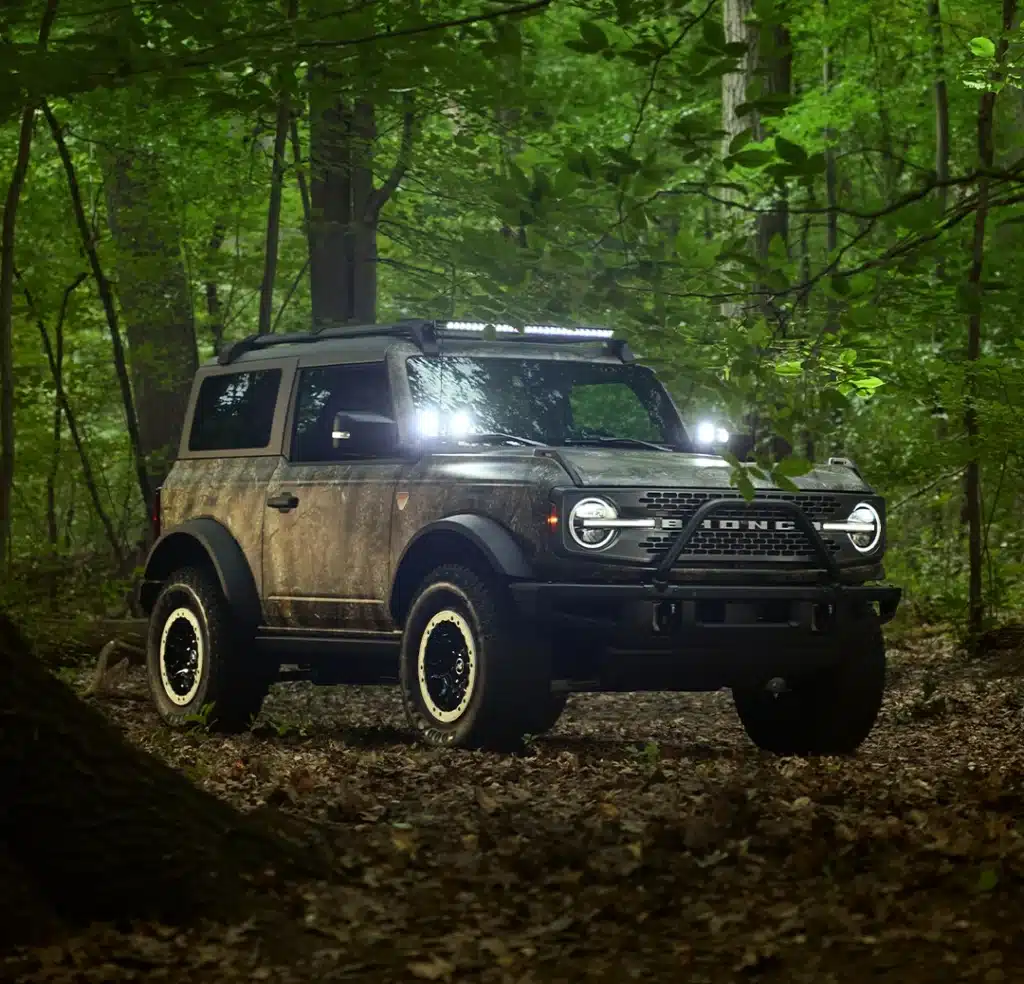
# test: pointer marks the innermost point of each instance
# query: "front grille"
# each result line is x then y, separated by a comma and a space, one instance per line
674, 504
785, 545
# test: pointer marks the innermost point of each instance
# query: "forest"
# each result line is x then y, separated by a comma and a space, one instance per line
806, 215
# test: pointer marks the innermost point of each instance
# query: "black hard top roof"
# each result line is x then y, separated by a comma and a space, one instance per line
427, 336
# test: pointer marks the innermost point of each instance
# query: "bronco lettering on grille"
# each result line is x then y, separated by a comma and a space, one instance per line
756, 525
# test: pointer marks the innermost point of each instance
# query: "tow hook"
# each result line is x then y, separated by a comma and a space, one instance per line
776, 686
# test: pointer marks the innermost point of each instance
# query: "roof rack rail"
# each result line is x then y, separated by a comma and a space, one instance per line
426, 335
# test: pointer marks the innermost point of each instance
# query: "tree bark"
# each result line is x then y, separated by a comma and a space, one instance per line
831, 184
284, 113
156, 301
101, 830
107, 299
973, 494
7, 234
346, 205
265, 324
941, 93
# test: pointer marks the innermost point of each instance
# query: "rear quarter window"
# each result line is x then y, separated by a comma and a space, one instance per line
235, 411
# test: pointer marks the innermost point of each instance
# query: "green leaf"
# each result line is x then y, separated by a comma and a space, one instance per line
789, 369
792, 467
784, 483
869, 383
741, 140
988, 879
750, 158
982, 47
789, 151
593, 37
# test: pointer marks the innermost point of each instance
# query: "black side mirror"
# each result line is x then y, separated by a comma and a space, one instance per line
363, 431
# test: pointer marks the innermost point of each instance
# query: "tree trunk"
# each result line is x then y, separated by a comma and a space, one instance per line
973, 501
92, 828
331, 202
831, 184
7, 233
109, 308
265, 324
157, 304
346, 205
11, 201
941, 104
777, 67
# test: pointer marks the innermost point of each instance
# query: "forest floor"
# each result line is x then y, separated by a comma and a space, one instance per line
644, 838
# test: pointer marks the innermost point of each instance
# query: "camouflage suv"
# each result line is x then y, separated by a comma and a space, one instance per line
495, 519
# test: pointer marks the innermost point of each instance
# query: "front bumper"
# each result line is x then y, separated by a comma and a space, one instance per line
543, 600
632, 637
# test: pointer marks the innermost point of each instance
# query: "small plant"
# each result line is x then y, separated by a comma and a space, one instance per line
201, 718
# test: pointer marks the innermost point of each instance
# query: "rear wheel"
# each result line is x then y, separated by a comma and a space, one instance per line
196, 662
548, 712
470, 676
828, 712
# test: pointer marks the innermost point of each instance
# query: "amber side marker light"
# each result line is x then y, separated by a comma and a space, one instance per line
553, 518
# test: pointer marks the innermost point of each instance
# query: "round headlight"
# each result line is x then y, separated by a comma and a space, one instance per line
865, 541
588, 537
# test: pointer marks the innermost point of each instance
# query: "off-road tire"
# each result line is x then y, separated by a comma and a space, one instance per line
226, 687
507, 671
828, 712
547, 713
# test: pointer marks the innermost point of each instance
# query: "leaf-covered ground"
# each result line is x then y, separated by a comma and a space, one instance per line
644, 838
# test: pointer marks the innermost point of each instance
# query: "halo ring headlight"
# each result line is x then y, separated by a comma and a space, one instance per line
865, 542
591, 538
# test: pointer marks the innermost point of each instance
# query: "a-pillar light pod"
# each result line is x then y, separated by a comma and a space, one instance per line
709, 433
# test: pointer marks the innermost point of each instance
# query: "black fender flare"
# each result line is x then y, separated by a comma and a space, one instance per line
226, 558
488, 536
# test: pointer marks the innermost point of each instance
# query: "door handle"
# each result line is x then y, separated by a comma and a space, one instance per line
283, 503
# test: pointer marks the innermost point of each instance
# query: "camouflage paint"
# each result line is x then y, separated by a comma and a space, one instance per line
232, 491
325, 562
618, 468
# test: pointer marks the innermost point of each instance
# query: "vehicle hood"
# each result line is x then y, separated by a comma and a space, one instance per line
616, 468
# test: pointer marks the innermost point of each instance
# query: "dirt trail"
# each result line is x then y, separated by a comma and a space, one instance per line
643, 839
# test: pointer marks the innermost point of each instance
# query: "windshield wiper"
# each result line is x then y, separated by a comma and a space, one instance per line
624, 442
499, 436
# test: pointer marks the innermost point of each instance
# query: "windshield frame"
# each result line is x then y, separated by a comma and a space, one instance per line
677, 438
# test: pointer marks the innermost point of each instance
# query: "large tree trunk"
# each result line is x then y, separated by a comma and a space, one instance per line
346, 205
770, 58
973, 501
156, 302
92, 828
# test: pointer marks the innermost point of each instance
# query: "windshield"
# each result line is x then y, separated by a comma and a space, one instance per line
551, 401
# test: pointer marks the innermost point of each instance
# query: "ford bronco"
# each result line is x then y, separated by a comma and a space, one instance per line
493, 519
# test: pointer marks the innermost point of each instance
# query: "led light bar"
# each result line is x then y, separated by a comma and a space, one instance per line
568, 332
476, 326
531, 329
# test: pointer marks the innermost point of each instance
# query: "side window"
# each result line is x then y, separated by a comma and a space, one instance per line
235, 411
323, 392
611, 410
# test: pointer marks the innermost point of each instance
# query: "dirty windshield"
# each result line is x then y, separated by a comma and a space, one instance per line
546, 401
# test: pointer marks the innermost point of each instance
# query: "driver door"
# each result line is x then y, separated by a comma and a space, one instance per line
327, 532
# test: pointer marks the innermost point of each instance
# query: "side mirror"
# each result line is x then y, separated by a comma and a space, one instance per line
362, 431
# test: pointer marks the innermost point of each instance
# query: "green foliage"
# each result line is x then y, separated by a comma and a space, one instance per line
568, 165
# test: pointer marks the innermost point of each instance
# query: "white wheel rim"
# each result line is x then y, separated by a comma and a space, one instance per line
182, 683
466, 674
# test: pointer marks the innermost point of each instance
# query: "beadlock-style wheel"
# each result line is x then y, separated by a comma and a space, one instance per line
472, 674
181, 656
200, 665
446, 665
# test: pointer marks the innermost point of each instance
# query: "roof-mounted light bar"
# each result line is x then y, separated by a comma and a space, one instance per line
556, 330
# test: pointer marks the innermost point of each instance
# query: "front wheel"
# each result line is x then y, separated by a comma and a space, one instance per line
828, 712
470, 676
196, 662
